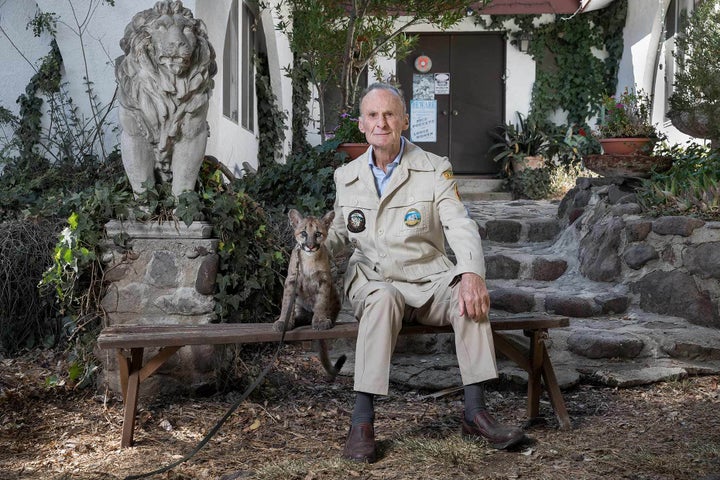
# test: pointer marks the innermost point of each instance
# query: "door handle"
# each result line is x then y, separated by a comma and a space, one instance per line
455, 113
444, 112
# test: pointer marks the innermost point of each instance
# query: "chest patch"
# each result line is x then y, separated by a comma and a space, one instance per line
412, 217
356, 221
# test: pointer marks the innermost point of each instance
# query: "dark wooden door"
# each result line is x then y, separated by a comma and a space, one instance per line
455, 119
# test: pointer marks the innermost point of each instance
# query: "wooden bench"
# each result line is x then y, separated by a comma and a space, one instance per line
129, 341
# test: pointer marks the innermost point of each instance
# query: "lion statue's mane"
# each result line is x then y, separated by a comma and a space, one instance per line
164, 85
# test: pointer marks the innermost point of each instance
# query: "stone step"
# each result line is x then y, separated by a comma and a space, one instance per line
524, 266
490, 196
535, 296
472, 189
520, 231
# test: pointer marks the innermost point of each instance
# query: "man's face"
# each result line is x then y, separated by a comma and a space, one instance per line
382, 119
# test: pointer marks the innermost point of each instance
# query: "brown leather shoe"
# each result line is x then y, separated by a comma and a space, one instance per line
360, 444
499, 436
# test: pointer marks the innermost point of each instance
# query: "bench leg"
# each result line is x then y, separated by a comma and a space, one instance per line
536, 357
130, 381
553, 389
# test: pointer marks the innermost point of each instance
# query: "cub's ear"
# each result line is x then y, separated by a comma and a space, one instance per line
328, 218
295, 217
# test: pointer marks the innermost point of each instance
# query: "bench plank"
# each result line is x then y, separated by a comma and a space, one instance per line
129, 336
130, 341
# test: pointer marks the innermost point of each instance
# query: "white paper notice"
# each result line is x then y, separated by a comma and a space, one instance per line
423, 120
442, 84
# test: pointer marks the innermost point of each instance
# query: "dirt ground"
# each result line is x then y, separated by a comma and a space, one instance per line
294, 427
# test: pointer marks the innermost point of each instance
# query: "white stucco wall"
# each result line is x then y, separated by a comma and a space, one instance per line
88, 35
643, 63
17, 70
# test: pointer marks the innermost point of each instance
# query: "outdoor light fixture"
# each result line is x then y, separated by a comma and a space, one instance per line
524, 42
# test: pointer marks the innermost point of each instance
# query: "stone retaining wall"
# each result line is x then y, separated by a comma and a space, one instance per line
671, 265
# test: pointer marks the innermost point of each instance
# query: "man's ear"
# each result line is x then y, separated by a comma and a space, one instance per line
407, 122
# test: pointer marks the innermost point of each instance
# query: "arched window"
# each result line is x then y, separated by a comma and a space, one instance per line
230, 66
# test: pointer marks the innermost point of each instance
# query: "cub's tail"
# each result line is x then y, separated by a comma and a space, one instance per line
331, 370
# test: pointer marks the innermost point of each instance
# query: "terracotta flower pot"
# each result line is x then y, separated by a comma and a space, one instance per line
623, 146
353, 150
529, 162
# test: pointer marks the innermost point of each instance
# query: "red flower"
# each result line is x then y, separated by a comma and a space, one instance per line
582, 132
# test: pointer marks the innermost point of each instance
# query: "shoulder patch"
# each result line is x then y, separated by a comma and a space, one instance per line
448, 174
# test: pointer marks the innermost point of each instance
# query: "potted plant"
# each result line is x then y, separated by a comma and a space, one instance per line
625, 126
347, 137
521, 145
695, 101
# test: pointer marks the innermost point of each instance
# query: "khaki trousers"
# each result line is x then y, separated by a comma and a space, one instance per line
381, 310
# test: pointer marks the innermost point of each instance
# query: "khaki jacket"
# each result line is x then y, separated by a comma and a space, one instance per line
399, 237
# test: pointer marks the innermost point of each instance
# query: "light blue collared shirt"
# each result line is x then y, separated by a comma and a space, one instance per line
383, 178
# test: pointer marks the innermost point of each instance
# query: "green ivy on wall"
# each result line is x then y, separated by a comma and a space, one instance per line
568, 74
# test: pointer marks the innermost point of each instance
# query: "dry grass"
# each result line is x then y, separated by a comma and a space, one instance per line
294, 428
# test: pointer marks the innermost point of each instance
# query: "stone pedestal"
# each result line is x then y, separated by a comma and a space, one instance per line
162, 274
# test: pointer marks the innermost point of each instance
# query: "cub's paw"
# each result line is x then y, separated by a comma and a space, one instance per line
279, 326
322, 324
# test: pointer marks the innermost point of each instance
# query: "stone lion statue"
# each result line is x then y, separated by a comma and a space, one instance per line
164, 84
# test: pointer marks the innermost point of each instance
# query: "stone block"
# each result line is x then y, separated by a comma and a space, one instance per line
571, 306
703, 259
676, 293
604, 344
501, 266
513, 300
613, 303
548, 269
683, 226
542, 230
506, 231
636, 256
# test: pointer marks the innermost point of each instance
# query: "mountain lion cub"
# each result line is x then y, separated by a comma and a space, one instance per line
310, 279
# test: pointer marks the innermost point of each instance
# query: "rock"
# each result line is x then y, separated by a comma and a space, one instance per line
636, 256
611, 303
638, 376
513, 300
676, 293
507, 231
501, 266
683, 226
207, 274
542, 229
703, 259
162, 270
598, 251
637, 230
571, 306
620, 194
548, 269
604, 344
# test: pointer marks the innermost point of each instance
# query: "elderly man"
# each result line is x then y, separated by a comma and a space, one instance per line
396, 205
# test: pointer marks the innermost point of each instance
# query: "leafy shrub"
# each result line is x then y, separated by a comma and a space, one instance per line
304, 182
690, 187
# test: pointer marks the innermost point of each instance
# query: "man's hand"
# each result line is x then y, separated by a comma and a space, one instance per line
473, 296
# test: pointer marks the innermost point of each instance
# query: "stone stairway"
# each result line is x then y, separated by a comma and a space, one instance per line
532, 263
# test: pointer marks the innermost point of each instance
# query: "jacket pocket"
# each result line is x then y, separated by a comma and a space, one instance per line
421, 271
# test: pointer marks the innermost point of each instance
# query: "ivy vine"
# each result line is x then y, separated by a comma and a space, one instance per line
568, 74
271, 119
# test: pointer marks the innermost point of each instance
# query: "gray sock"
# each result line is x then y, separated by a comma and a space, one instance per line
364, 411
474, 400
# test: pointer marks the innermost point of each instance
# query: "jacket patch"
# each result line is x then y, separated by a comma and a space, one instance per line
356, 221
448, 174
412, 217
